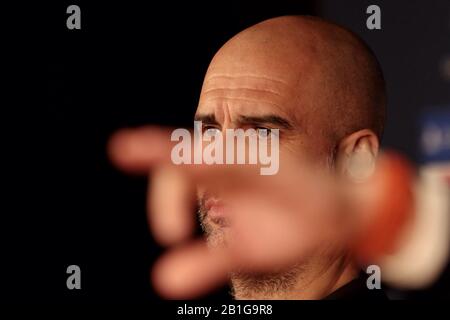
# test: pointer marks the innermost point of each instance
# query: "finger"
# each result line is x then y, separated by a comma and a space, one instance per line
138, 150
170, 205
190, 271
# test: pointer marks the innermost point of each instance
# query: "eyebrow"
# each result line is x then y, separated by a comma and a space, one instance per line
276, 121
206, 118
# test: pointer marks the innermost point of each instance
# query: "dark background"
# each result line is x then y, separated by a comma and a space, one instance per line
133, 64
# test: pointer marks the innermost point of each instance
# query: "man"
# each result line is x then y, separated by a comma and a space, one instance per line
323, 89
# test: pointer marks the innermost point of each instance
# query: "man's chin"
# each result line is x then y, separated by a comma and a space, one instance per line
272, 285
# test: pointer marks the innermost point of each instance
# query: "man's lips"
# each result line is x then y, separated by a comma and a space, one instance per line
215, 209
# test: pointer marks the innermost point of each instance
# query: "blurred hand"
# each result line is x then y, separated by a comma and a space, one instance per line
267, 231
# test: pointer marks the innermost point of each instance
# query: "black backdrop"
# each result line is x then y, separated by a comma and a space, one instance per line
133, 64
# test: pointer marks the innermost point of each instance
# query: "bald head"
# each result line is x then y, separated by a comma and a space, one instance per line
318, 74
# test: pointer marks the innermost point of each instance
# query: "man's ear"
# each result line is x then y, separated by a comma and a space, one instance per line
356, 155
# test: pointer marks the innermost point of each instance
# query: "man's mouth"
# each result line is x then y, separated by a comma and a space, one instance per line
216, 211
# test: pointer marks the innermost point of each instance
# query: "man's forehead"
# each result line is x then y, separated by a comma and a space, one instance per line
246, 94
234, 108
251, 80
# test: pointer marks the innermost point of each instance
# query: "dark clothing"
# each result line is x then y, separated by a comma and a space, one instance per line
357, 290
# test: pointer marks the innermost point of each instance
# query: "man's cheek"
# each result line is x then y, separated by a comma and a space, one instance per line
200, 192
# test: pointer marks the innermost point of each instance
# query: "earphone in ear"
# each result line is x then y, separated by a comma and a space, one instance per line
361, 163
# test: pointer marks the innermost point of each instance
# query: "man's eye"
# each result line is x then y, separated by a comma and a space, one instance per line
263, 132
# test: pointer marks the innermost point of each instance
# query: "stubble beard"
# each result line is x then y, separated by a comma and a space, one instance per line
245, 285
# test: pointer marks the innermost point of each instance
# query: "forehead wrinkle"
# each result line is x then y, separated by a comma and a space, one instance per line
224, 99
250, 76
243, 89
247, 95
256, 82
278, 94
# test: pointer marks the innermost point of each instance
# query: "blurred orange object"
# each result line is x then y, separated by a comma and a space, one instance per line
390, 206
